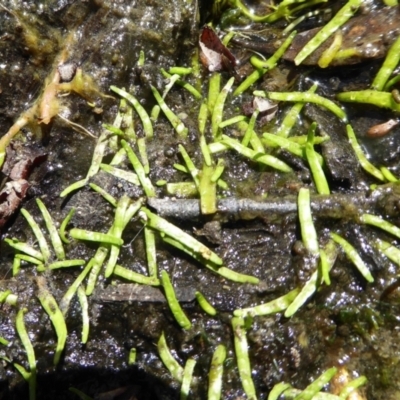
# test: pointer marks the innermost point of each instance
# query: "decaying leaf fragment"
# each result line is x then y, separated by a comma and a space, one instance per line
10, 198
18, 167
214, 55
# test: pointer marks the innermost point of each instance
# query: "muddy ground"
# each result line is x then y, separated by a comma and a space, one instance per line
350, 324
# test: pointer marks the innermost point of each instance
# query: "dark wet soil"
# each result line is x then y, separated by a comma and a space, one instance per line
351, 323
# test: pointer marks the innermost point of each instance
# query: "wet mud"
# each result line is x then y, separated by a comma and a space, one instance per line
350, 324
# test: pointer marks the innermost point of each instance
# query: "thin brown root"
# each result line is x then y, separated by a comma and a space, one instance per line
77, 127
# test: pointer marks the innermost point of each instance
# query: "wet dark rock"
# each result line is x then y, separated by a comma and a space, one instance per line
340, 160
368, 35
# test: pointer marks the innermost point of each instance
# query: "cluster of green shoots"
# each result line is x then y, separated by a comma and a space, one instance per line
205, 182
290, 9
380, 93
